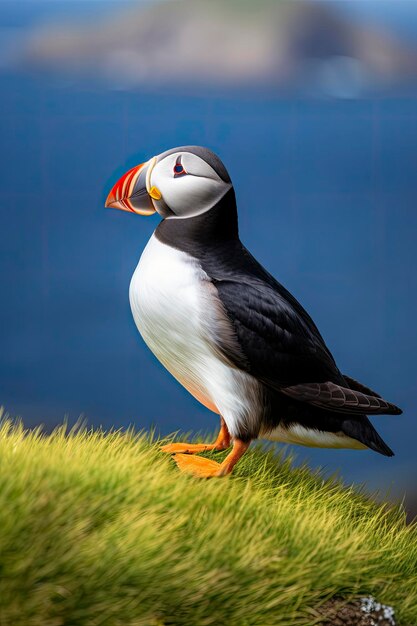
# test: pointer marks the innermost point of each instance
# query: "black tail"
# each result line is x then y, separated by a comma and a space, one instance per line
361, 429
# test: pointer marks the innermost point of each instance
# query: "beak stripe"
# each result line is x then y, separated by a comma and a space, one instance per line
149, 172
127, 204
121, 184
126, 183
117, 190
131, 182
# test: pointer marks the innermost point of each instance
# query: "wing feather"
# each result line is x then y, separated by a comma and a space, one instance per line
330, 396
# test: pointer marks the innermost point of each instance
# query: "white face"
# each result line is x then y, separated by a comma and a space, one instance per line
188, 185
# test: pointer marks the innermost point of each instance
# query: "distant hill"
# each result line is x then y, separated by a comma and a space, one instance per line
272, 45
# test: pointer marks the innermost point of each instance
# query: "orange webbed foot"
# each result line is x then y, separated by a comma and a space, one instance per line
222, 442
187, 448
198, 466
206, 468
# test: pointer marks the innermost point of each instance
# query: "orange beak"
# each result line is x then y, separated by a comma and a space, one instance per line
130, 193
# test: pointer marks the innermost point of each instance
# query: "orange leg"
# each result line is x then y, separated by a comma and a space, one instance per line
222, 442
206, 468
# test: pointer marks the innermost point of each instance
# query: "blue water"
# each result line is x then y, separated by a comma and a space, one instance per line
327, 195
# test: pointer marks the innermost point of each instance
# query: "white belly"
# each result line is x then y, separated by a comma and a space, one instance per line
297, 434
174, 308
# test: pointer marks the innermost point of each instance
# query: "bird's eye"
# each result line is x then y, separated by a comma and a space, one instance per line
179, 170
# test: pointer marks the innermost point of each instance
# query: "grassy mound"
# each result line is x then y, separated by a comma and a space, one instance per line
102, 529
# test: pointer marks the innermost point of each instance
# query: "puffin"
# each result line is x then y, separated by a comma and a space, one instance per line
226, 329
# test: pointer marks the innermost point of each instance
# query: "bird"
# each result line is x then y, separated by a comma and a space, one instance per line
226, 329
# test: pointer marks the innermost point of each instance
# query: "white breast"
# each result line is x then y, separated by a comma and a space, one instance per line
174, 307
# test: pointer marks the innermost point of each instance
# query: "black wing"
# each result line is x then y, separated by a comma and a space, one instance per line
280, 345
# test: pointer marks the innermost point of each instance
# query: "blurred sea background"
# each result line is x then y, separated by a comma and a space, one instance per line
312, 108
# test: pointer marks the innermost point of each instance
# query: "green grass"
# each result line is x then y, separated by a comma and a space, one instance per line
101, 529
